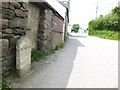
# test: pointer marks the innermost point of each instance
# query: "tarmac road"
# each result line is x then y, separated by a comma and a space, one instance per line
84, 62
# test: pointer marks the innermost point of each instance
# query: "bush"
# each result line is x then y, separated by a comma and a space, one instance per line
6, 85
109, 22
37, 55
75, 27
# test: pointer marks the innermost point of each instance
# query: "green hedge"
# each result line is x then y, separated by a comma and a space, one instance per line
109, 22
106, 27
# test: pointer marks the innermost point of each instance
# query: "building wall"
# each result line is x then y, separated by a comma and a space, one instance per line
57, 31
33, 24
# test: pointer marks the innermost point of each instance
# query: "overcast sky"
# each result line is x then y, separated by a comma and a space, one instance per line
82, 11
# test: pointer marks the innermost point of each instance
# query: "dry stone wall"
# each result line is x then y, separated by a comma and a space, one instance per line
14, 25
45, 32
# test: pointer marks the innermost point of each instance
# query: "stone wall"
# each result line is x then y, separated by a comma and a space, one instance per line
14, 26
33, 23
5, 57
45, 32
50, 31
40, 25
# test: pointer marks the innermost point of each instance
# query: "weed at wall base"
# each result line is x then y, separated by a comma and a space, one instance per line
36, 55
5, 85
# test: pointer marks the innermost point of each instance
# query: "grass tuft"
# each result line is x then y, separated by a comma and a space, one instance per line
38, 55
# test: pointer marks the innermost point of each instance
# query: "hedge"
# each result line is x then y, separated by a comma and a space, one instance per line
107, 26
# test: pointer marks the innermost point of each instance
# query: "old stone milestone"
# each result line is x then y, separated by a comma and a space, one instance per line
23, 56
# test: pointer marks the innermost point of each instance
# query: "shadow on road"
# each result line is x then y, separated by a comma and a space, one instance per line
60, 71
57, 73
56, 70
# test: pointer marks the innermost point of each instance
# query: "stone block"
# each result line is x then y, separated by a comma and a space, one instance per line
25, 6
25, 15
7, 13
4, 23
19, 32
23, 56
5, 4
6, 16
20, 13
11, 7
7, 31
7, 36
15, 4
4, 45
18, 23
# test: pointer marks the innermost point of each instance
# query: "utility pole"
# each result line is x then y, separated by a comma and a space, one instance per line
96, 10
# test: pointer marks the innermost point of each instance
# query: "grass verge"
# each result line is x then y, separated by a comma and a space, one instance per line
112, 35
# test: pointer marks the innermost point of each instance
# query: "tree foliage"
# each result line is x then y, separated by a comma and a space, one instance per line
116, 10
110, 22
107, 26
75, 27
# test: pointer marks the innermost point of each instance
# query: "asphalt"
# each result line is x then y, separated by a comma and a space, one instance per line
84, 62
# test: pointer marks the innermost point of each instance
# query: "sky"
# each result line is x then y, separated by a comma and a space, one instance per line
83, 11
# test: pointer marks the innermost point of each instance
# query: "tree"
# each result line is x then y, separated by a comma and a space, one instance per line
75, 27
116, 10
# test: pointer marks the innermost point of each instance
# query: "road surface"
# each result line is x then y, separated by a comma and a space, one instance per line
84, 62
